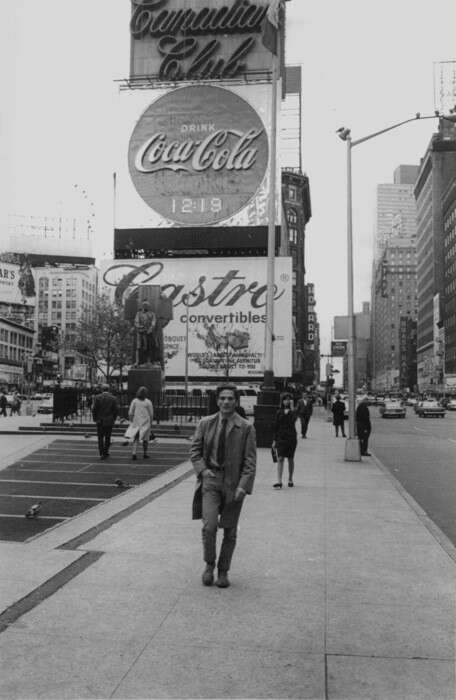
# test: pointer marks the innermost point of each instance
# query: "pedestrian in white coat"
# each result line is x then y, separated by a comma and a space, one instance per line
141, 415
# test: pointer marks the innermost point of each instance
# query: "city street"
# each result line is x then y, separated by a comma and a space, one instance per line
421, 454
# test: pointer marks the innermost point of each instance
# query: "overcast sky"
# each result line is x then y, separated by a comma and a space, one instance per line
365, 65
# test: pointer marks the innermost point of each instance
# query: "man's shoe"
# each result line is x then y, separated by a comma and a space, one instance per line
222, 579
102, 456
208, 575
134, 457
366, 454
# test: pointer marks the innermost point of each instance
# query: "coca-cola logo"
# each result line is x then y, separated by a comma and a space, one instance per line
198, 155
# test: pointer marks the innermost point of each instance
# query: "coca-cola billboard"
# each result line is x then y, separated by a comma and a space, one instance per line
220, 308
198, 155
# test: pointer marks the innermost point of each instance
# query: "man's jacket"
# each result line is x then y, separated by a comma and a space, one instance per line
240, 450
105, 409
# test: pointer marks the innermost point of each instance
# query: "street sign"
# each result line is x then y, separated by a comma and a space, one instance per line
338, 348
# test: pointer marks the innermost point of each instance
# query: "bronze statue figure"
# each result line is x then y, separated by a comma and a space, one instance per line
147, 345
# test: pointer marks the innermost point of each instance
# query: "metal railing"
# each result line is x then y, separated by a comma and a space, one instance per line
180, 408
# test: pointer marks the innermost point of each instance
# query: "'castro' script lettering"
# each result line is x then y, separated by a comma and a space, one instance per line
215, 291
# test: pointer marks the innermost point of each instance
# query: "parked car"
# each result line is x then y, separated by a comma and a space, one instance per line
46, 406
432, 409
393, 409
451, 405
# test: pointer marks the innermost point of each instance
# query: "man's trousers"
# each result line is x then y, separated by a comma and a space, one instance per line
104, 438
213, 505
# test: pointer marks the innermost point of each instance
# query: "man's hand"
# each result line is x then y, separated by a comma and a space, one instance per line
239, 494
207, 472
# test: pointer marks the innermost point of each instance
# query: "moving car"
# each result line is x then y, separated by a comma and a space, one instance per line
393, 409
430, 409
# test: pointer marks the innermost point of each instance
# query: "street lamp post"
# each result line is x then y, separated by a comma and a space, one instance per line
352, 450
187, 298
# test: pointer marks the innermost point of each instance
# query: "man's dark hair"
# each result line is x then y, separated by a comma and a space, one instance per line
228, 387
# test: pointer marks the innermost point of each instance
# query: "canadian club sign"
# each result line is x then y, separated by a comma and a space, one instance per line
198, 155
176, 40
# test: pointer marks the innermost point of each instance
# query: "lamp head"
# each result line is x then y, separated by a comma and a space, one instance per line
343, 133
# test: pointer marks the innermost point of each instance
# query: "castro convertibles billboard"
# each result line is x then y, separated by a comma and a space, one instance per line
225, 317
197, 155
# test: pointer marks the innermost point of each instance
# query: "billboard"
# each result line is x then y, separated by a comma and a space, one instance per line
173, 40
17, 284
197, 156
224, 321
338, 348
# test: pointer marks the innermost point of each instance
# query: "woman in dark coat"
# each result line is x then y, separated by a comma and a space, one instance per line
285, 439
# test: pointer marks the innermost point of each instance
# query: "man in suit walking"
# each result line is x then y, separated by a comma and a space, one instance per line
104, 411
305, 410
363, 426
223, 454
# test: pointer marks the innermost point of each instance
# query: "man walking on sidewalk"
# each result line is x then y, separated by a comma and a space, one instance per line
363, 426
223, 454
305, 408
338, 411
104, 411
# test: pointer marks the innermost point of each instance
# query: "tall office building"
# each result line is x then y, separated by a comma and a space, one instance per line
394, 305
393, 278
64, 293
296, 214
362, 345
438, 168
396, 208
449, 261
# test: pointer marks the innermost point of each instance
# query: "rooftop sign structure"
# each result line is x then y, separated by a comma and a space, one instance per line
175, 40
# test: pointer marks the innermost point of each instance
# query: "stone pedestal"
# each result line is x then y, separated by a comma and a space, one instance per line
264, 416
149, 376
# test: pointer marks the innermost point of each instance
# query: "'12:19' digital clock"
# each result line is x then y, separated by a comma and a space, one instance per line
190, 205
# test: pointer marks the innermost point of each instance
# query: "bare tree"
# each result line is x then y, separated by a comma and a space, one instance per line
105, 337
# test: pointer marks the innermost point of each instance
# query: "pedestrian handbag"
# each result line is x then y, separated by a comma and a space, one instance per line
131, 432
197, 503
274, 454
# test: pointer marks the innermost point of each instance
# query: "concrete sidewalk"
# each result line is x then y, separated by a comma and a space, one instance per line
341, 588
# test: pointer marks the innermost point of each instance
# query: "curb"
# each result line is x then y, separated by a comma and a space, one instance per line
439, 536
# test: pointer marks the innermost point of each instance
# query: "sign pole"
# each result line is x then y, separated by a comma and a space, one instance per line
269, 339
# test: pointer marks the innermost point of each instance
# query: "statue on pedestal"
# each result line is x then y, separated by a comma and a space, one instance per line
150, 314
147, 346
